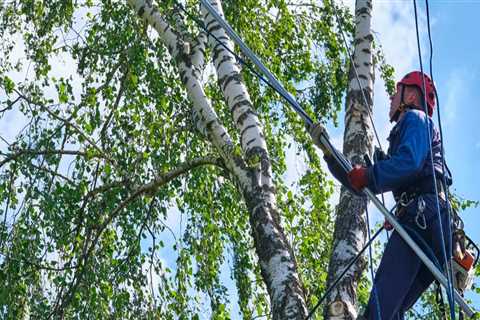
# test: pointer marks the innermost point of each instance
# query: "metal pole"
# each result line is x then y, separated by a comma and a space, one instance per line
339, 158
246, 50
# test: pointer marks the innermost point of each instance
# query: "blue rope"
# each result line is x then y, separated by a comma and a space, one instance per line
444, 165
437, 202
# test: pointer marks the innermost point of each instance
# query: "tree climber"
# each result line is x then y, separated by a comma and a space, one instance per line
407, 172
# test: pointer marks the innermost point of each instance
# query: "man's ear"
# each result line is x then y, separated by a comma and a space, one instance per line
409, 96
412, 96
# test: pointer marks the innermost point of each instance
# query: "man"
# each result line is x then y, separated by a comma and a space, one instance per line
407, 172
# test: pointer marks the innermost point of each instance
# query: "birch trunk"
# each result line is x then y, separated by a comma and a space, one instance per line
276, 260
350, 225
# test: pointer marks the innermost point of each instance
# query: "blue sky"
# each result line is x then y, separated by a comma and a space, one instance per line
457, 74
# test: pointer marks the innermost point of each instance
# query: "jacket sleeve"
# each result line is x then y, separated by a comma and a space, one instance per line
408, 158
340, 174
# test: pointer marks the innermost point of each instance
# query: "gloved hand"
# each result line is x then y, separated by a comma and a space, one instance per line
379, 155
387, 225
316, 131
358, 178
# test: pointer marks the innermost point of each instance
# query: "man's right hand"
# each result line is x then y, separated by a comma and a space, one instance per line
316, 131
379, 155
358, 178
387, 225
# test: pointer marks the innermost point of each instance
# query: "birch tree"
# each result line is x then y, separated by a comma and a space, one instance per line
350, 224
134, 116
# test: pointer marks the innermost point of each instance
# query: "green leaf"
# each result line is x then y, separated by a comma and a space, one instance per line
8, 84
62, 93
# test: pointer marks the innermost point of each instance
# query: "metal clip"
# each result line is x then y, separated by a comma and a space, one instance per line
404, 202
421, 204
420, 218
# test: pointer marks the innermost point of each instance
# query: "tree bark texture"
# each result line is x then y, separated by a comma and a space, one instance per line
350, 225
278, 267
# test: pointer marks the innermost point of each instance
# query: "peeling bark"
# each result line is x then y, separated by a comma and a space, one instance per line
277, 263
276, 260
350, 225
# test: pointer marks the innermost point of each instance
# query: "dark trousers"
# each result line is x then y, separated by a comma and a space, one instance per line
402, 277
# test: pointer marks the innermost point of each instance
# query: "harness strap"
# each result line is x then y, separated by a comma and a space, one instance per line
421, 186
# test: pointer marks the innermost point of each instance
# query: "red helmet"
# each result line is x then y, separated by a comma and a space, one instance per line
414, 78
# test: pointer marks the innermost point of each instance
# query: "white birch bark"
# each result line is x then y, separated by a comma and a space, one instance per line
350, 225
234, 90
198, 51
276, 260
188, 74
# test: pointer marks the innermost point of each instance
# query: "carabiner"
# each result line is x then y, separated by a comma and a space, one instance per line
420, 217
421, 221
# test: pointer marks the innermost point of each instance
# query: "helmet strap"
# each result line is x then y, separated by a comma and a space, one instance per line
400, 108
398, 112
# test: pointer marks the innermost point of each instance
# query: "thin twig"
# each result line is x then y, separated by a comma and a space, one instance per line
34, 152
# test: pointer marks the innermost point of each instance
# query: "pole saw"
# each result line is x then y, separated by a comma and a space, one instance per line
340, 158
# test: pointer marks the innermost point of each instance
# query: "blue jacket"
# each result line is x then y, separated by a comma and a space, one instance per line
408, 161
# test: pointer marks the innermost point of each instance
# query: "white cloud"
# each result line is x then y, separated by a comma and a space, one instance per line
394, 27
455, 89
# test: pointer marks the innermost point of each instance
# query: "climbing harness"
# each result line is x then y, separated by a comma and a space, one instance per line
406, 200
324, 140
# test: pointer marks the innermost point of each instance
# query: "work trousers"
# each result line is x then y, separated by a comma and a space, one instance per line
402, 277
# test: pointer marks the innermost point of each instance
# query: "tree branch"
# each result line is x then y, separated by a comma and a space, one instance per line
237, 97
198, 51
150, 187
188, 74
34, 152
114, 107
67, 122
54, 173
206, 118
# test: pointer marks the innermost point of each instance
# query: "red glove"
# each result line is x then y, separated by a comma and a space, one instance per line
358, 178
387, 225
